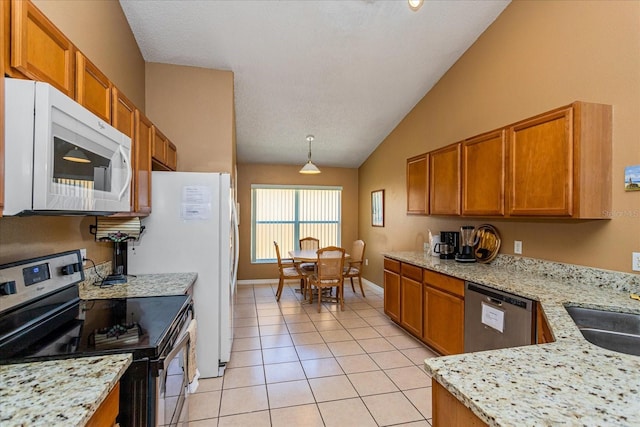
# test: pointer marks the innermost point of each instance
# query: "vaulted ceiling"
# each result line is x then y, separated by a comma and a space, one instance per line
346, 71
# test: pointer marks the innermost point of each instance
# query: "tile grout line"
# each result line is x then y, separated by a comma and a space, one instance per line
343, 326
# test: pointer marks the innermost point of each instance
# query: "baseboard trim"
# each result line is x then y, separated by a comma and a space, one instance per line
250, 282
257, 282
368, 282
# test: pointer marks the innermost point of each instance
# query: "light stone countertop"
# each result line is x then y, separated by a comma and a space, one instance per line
141, 285
569, 382
57, 392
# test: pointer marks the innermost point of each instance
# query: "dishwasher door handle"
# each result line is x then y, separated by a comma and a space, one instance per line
495, 301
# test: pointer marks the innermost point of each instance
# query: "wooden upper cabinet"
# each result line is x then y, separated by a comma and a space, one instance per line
560, 163
483, 174
159, 148
444, 180
172, 156
93, 88
541, 165
39, 50
418, 185
123, 119
164, 152
142, 168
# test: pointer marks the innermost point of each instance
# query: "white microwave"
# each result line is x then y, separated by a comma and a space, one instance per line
61, 159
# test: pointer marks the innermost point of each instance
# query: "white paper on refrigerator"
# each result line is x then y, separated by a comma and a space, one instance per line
196, 202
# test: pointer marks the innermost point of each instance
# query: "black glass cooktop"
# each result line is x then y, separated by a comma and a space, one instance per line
142, 326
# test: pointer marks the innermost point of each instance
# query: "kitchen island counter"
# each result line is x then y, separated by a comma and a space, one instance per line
567, 382
58, 392
142, 285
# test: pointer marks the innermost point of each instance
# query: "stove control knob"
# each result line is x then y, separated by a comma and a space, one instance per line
68, 270
8, 288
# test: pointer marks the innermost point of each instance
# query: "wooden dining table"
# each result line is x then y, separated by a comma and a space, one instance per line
308, 255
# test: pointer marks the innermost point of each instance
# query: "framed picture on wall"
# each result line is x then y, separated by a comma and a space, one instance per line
377, 208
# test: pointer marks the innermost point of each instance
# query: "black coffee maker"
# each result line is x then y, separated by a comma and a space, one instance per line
449, 244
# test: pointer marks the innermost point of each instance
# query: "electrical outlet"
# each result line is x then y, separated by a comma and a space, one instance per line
83, 254
635, 263
366, 261
517, 247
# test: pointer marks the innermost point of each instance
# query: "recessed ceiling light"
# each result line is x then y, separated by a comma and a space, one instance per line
415, 4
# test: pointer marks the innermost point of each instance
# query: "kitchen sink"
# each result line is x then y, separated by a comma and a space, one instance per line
608, 329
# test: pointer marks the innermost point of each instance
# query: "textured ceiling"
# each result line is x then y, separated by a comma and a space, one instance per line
346, 71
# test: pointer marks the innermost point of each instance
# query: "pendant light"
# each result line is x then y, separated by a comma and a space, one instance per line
309, 167
76, 155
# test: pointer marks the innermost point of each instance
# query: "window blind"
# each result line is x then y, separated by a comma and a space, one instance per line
286, 214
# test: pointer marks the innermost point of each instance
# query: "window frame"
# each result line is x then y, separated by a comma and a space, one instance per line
296, 220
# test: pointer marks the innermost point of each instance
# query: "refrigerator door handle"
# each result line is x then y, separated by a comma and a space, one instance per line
236, 245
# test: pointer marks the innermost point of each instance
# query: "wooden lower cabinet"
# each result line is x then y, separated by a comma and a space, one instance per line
411, 305
392, 289
105, 415
443, 321
427, 304
449, 411
543, 331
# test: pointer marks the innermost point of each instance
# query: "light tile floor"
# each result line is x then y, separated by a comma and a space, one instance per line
293, 366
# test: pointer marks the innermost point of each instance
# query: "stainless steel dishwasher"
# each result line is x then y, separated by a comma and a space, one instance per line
495, 319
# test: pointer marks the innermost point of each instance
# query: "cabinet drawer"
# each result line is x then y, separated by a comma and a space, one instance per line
412, 272
392, 265
444, 282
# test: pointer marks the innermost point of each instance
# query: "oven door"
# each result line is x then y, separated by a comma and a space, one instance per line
172, 383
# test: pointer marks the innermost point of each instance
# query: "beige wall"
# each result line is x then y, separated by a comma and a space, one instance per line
536, 56
100, 30
194, 108
277, 174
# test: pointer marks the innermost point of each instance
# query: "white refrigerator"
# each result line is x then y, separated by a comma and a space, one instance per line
193, 227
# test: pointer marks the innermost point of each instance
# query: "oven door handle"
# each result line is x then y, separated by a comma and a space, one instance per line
176, 348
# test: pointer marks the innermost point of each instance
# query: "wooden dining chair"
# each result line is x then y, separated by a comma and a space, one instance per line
328, 274
354, 264
287, 269
309, 244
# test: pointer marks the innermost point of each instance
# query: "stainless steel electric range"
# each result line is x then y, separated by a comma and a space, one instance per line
43, 318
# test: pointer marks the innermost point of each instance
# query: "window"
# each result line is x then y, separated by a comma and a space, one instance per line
285, 214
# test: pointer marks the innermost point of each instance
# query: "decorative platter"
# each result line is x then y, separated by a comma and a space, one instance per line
487, 243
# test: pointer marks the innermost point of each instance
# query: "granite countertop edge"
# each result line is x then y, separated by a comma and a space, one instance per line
57, 392
140, 285
569, 381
